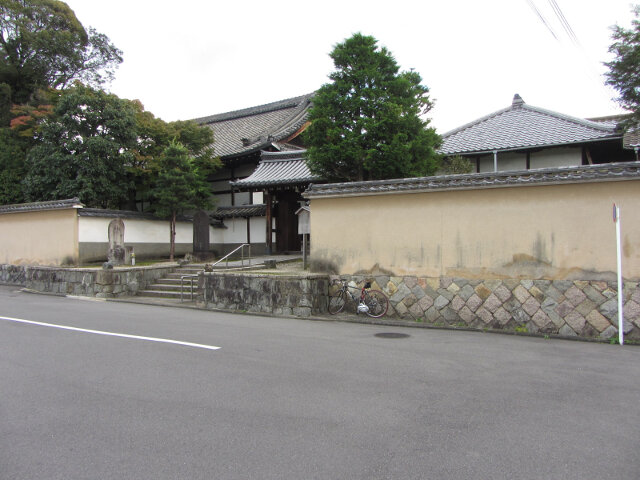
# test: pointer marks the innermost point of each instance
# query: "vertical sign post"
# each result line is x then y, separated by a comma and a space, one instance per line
616, 220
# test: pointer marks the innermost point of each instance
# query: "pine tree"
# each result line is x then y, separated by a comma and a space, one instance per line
366, 124
624, 69
178, 187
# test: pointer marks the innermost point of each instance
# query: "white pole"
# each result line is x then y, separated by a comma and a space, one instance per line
616, 219
304, 251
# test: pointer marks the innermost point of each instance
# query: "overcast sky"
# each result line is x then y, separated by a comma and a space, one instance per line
187, 59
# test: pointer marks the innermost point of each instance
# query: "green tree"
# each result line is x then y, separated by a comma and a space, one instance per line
624, 69
179, 186
13, 151
43, 44
366, 124
154, 136
17, 140
83, 150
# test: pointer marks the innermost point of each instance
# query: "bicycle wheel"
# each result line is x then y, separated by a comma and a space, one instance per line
377, 302
337, 302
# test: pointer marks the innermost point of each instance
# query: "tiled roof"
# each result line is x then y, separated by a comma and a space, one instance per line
278, 168
104, 213
522, 126
631, 138
240, 211
36, 206
543, 176
253, 129
134, 215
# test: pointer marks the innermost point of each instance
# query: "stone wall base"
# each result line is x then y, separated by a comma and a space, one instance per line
301, 296
586, 309
90, 282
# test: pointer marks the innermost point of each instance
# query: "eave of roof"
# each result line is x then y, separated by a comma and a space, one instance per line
240, 211
39, 206
249, 130
521, 127
278, 169
545, 176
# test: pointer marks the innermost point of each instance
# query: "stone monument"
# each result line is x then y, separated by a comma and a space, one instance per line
115, 254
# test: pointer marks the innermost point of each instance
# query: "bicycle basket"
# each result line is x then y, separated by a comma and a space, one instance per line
367, 285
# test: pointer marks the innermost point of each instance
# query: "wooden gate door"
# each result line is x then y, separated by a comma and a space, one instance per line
287, 238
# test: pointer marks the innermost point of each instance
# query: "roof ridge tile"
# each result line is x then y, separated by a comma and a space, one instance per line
250, 111
543, 176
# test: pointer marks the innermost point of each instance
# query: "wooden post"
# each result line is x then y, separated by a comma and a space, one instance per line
269, 222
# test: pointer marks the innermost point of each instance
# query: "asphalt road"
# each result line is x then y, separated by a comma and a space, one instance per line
297, 399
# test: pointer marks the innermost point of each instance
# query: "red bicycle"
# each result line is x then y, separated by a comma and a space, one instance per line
372, 302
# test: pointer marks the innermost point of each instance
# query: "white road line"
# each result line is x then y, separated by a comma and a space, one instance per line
123, 335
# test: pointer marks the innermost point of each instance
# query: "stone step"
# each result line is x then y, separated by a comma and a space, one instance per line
177, 275
161, 294
175, 282
170, 287
166, 294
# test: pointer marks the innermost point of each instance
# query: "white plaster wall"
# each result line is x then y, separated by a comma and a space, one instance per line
216, 235
257, 198
486, 163
236, 231
96, 229
548, 158
258, 229
512, 161
506, 161
557, 157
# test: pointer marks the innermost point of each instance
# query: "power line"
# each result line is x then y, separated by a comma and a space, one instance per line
565, 23
542, 19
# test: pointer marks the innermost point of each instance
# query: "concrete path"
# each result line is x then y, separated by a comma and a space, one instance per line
261, 259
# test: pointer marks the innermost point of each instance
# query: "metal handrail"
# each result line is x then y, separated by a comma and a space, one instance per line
226, 257
190, 277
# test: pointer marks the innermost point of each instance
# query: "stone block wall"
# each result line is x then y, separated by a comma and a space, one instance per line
569, 308
90, 282
13, 274
259, 293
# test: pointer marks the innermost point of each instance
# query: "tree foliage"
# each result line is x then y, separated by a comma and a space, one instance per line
83, 150
17, 139
456, 165
13, 151
624, 69
154, 136
43, 44
366, 124
61, 136
178, 186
